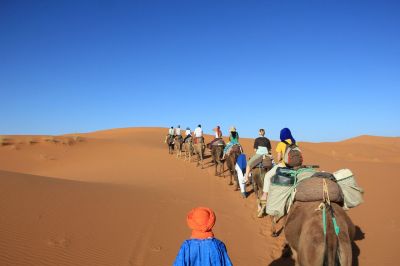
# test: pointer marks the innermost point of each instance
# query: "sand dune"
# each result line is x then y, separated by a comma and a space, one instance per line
116, 197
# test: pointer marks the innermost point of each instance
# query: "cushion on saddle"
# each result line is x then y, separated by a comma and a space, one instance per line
265, 163
311, 189
236, 148
198, 140
218, 142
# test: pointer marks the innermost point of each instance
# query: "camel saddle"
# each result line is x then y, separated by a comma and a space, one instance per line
284, 176
218, 142
265, 163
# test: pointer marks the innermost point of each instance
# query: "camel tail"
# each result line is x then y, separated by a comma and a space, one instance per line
332, 250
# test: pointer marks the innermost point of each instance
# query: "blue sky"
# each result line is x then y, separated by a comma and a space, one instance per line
329, 70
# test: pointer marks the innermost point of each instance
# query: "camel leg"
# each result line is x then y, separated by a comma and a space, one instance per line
230, 178
201, 158
236, 182
273, 226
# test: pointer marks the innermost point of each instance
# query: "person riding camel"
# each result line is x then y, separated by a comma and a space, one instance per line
188, 134
202, 249
217, 136
286, 138
198, 134
171, 131
171, 134
262, 147
178, 132
233, 140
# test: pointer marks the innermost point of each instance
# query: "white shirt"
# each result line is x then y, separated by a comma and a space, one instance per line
177, 131
171, 131
187, 132
198, 132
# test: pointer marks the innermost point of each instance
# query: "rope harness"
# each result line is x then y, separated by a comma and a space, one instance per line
323, 206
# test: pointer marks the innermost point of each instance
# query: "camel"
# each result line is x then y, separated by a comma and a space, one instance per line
231, 159
199, 147
188, 147
178, 146
169, 139
217, 152
304, 233
258, 174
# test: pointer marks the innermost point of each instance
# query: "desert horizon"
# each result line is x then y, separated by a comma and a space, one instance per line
116, 197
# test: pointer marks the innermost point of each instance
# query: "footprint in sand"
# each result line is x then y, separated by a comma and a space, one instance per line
61, 242
156, 249
47, 157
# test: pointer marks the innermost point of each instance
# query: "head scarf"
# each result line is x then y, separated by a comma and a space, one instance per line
232, 129
286, 134
201, 220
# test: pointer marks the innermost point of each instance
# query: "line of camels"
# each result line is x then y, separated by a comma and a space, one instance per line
306, 238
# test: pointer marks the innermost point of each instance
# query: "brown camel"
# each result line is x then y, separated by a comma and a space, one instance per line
199, 148
188, 148
305, 235
231, 159
169, 139
258, 174
217, 152
178, 146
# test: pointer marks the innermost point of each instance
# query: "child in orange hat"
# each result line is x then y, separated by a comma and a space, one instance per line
202, 249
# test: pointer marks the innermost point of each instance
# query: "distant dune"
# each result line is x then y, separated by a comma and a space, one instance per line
115, 197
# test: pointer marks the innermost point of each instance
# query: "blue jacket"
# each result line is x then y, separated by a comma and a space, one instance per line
203, 252
241, 162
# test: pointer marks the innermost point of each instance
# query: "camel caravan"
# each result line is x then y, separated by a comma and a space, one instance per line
309, 205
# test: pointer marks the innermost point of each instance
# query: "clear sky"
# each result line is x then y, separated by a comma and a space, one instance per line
328, 69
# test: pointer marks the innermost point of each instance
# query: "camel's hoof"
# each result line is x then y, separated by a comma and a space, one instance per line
287, 251
230, 184
274, 234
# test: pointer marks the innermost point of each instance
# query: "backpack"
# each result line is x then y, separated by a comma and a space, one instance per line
292, 156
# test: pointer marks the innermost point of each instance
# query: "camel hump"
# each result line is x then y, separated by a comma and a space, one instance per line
310, 189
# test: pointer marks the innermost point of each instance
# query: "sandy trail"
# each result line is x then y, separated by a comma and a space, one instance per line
118, 198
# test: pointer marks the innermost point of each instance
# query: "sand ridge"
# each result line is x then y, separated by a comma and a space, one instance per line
116, 197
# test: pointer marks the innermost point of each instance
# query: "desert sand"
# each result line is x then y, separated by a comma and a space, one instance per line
116, 197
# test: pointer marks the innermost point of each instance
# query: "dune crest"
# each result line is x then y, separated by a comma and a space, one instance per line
115, 197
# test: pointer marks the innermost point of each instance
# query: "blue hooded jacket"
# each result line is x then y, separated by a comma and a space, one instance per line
203, 252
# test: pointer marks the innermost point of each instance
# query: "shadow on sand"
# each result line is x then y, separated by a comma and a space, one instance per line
285, 259
360, 235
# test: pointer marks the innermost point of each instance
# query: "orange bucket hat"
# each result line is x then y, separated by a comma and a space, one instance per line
201, 220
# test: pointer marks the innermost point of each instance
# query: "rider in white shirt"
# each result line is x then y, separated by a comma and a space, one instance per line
188, 134
198, 132
178, 131
171, 131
